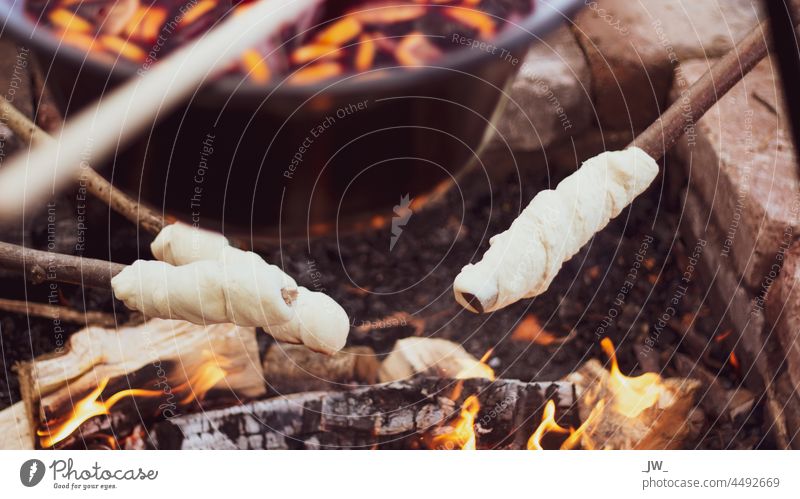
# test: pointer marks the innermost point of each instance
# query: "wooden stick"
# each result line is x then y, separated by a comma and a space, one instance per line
42, 266
65, 314
121, 114
683, 114
96, 184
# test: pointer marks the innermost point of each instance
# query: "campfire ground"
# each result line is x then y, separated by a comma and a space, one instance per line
406, 291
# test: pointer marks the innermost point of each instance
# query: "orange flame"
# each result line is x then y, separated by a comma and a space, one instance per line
462, 435
88, 408
547, 425
631, 396
199, 383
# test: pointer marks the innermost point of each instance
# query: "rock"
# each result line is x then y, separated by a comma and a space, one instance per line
699, 29
741, 163
743, 311
783, 312
549, 99
631, 72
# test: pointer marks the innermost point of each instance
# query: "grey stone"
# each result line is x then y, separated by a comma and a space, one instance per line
740, 162
549, 99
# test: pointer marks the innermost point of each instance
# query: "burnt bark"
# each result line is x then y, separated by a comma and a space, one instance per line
393, 415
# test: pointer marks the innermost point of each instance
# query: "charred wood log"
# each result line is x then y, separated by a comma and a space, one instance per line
393, 415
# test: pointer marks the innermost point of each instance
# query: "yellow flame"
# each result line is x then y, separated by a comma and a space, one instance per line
199, 383
203, 380
480, 369
548, 425
88, 408
462, 435
631, 396
575, 435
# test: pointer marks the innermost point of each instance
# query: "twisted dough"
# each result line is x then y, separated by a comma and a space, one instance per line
204, 280
522, 261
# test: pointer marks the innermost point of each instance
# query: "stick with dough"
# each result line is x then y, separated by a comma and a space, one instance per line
202, 279
522, 261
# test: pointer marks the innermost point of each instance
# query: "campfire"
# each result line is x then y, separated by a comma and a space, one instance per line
573, 321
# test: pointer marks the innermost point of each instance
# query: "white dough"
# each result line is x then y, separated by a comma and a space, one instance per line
180, 244
204, 280
319, 323
522, 261
206, 292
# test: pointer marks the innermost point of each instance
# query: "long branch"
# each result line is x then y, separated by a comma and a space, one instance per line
29, 132
683, 114
43, 266
65, 314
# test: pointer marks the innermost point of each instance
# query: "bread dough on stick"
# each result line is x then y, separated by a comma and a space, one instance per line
522, 261
180, 244
203, 279
319, 323
207, 292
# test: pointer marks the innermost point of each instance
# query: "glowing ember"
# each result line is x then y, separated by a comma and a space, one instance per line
734, 361
462, 434
631, 396
530, 330
722, 336
548, 425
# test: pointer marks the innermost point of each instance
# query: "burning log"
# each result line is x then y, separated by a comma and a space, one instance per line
645, 412
432, 357
394, 415
293, 369
156, 370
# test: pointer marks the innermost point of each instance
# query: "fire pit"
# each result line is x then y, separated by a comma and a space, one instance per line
622, 351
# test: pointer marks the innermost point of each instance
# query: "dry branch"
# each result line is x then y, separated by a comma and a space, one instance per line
95, 184
66, 314
393, 415
43, 266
